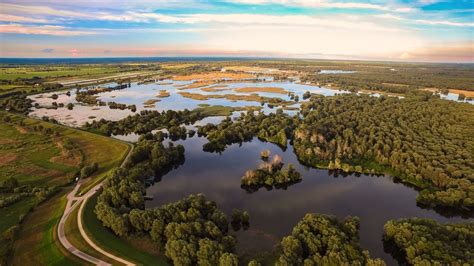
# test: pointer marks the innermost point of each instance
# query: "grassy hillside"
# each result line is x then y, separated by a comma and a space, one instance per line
37, 158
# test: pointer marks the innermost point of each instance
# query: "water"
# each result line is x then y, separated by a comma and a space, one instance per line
274, 213
336, 72
139, 93
454, 97
112, 60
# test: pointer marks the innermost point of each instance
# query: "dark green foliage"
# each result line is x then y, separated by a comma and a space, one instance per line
9, 184
425, 141
390, 77
275, 128
145, 122
426, 242
323, 240
270, 174
240, 219
88, 170
17, 103
306, 95
177, 132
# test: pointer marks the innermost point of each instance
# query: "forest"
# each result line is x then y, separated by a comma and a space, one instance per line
274, 127
424, 141
320, 239
425, 242
144, 122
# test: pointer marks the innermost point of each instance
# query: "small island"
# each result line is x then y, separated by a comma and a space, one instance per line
271, 174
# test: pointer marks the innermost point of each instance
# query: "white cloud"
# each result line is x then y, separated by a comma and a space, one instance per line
315, 40
441, 52
40, 10
42, 30
425, 21
13, 18
444, 23
329, 4
334, 21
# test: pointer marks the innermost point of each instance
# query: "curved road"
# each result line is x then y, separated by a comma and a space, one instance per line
72, 203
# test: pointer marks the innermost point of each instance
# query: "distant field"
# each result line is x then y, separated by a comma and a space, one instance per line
54, 72
7, 87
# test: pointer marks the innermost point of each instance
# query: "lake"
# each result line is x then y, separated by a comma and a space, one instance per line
274, 213
139, 93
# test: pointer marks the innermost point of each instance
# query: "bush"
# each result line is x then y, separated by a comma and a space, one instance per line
87, 171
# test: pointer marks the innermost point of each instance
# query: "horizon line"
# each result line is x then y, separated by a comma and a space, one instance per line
232, 57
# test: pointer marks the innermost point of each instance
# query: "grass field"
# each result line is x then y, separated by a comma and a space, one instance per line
262, 89
113, 244
44, 160
33, 157
71, 230
46, 72
9, 87
220, 110
37, 242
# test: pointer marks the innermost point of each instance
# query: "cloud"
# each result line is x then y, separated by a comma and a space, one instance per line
458, 52
364, 42
329, 4
42, 30
40, 10
425, 21
13, 18
74, 52
47, 50
334, 21
107, 51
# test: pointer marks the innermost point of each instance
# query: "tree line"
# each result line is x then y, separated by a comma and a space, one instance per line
420, 241
320, 239
274, 127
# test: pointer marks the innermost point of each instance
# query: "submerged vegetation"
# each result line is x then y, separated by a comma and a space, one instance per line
237, 97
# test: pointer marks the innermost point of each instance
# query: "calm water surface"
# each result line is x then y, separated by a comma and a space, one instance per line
139, 93
274, 213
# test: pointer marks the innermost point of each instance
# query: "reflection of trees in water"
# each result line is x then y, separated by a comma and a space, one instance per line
443, 211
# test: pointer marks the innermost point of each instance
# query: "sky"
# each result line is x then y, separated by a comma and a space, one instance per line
395, 30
